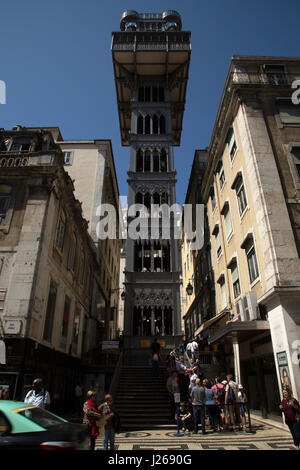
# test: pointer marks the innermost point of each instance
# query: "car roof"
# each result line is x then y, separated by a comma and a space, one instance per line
9, 405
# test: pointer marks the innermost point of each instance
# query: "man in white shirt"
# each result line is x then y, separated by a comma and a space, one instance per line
38, 396
191, 348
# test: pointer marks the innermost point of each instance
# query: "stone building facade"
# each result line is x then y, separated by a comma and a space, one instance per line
49, 271
251, 191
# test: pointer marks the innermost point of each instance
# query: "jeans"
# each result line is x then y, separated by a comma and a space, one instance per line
295, 431
155, 368
109, 435
199, 410
211, 412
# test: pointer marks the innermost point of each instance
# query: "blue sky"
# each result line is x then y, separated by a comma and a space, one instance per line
57, 66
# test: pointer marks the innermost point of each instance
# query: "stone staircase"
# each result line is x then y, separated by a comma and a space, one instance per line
141, 399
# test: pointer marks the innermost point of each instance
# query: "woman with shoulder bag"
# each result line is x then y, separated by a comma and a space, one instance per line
91, 416
289, 406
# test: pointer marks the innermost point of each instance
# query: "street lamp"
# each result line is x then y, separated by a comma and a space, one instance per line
189, 289
117, 289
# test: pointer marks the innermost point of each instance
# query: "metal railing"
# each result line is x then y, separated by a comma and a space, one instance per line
261, 78
116, 377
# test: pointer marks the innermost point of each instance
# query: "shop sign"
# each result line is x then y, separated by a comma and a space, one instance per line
110, 345
2, 352
12, 327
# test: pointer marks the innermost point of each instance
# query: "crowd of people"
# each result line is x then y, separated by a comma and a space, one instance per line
194, 399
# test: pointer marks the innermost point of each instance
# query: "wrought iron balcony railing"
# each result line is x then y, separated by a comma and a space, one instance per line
262, 78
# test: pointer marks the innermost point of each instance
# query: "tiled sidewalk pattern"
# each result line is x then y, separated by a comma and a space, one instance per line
266, 437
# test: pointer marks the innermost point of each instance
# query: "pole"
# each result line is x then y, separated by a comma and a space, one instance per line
249, 420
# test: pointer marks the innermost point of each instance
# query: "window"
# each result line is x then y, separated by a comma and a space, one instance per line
163, 161
4, 206
252, 264
76, 328
68, 157
223, 292
50, 311
235, 279
65, 322
249, 247
213, 199
216, 233
81, 268
72, 253
60, 232
222, 177
288, 112
227, 220
231, 141
296, 159
238, 186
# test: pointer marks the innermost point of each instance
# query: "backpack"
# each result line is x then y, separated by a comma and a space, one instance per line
231, 395
220, 395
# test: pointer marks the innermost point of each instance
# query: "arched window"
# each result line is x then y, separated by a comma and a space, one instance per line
156, 198
161, 94
155, 124
139, 161
147, 124
147, 201
155, 160
141, 96
162, 124
140, 124
147, 166
138, 254
147, 257
163, 160
147, 93
166, 257
139, 198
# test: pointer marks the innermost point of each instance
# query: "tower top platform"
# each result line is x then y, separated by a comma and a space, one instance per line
151, 48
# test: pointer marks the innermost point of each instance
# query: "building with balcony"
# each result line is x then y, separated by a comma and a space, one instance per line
50, 280
251, 190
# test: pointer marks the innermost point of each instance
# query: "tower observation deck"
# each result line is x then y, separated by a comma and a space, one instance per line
151, 56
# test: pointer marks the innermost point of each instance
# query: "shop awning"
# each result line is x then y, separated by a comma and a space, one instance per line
243, 330
210, 322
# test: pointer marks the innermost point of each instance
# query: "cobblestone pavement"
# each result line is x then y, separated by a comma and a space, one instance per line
266, 437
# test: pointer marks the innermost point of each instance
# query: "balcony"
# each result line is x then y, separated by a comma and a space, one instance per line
17, 159
154, 41
262, 78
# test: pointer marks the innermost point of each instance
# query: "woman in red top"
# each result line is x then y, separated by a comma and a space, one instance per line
289, 406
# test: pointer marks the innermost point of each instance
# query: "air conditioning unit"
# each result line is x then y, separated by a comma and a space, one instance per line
240, 310
251, 310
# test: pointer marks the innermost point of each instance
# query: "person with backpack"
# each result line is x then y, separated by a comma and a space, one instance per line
242, 399
38, 396
219, 398
231, 403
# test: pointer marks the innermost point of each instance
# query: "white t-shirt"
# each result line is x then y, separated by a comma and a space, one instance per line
241, 397
40, 399
193, 346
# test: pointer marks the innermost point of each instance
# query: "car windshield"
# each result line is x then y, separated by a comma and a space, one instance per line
40, 416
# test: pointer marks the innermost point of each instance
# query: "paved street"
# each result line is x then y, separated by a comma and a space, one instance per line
266, 437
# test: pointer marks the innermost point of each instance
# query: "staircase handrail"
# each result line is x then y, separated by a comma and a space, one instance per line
115, 380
